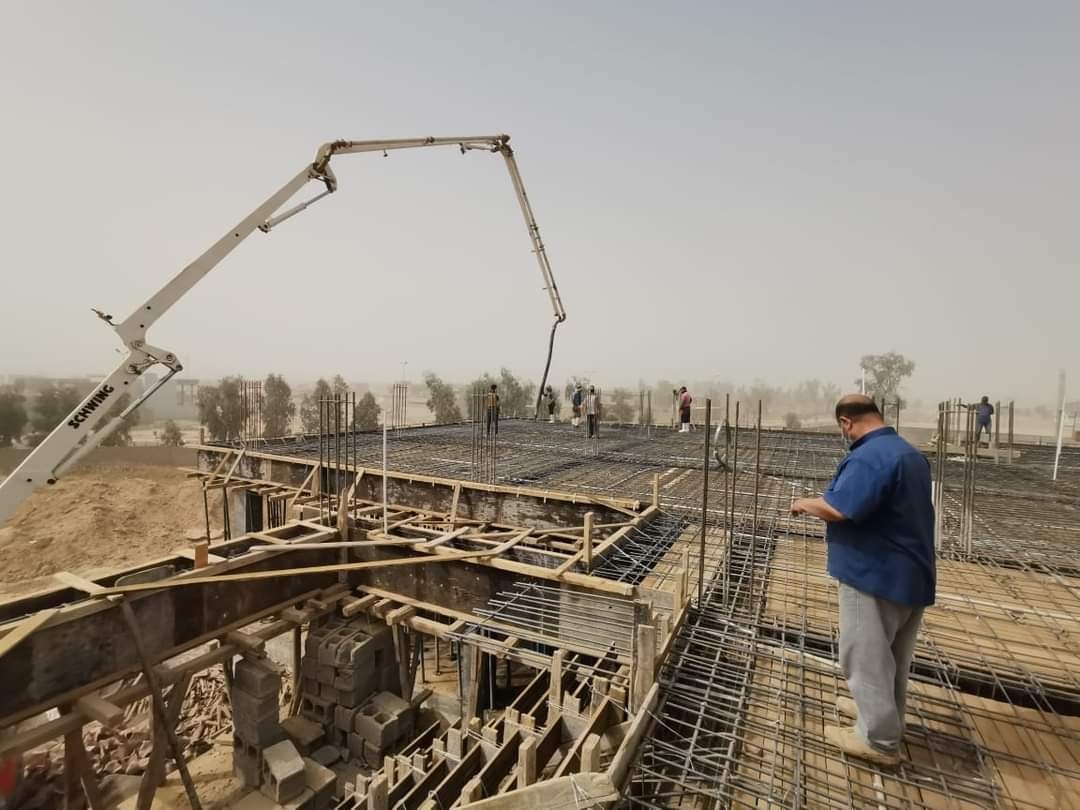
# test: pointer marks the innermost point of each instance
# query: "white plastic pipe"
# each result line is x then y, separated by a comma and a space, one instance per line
1061, 431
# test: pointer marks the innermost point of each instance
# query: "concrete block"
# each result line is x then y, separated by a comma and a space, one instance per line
376, 727
309, 686
304, 734
253, 707
355, 679
372, 754
384, 719
247, 762
282, 772
346, 775
321, 781
343, 717
338, 738
326, 755
328, 692
263, 732
356, 747
256, 677
326, 675
305, 800
309, 665
317, 709
350, 700
328, 647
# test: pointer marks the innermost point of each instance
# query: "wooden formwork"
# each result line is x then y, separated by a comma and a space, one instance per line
1020, 624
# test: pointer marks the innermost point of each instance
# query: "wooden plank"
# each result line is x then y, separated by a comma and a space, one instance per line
35, 736
619, 769
579, 790
97, 708
244, 641
175, 582
77, 582
602, 719
154, 774
24, 628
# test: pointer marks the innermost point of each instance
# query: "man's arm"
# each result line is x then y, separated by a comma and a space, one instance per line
818, 508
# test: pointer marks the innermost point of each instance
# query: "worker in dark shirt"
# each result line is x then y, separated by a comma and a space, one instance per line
984, 415
880, 538
491, 410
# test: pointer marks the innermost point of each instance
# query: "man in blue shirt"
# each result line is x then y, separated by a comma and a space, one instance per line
984, 413
880, 539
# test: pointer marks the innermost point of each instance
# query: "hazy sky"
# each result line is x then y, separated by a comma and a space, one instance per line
755, 190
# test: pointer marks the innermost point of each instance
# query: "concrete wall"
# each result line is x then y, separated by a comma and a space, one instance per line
160, 456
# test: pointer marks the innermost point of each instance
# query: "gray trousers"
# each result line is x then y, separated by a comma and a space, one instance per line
877, 643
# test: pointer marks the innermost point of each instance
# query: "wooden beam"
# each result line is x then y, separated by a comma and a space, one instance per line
245, 642
175, 582
619, 769
586, 542
160, 710
35, 736
644, 664
97, 708
351, 607
76, 582
24, 628
154, 774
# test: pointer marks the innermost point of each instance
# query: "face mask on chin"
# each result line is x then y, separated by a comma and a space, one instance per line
846, 439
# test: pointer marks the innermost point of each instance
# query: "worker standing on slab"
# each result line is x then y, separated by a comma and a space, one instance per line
685, 400
592, 411
549, 395
984, 416
491, 410
880, 538
577, 399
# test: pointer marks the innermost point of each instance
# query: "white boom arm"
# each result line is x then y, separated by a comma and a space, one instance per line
76, 435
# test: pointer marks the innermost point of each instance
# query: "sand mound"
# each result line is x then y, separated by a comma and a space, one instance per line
103, 516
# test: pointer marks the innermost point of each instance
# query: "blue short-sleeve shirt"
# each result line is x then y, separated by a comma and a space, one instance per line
885, 544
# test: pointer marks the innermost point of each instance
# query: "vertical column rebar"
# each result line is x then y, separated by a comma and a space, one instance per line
704, 506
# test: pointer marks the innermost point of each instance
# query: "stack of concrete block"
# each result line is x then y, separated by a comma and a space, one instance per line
345, 661
256, 717
384, 720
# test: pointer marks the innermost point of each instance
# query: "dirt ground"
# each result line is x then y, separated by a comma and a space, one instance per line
102, 516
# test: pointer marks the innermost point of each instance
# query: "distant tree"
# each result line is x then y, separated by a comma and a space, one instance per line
121, 436
480, 386
51, 406
830, 393
441, 399
338, 385
622, 406
516, 398
220, 409
309, 405
366, 415
791, 421
884, 374
170, 435
278, 406
13, 417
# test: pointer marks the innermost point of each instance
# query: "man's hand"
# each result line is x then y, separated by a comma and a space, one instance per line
816, 507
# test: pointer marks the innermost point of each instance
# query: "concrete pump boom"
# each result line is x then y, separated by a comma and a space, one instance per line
76, 436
